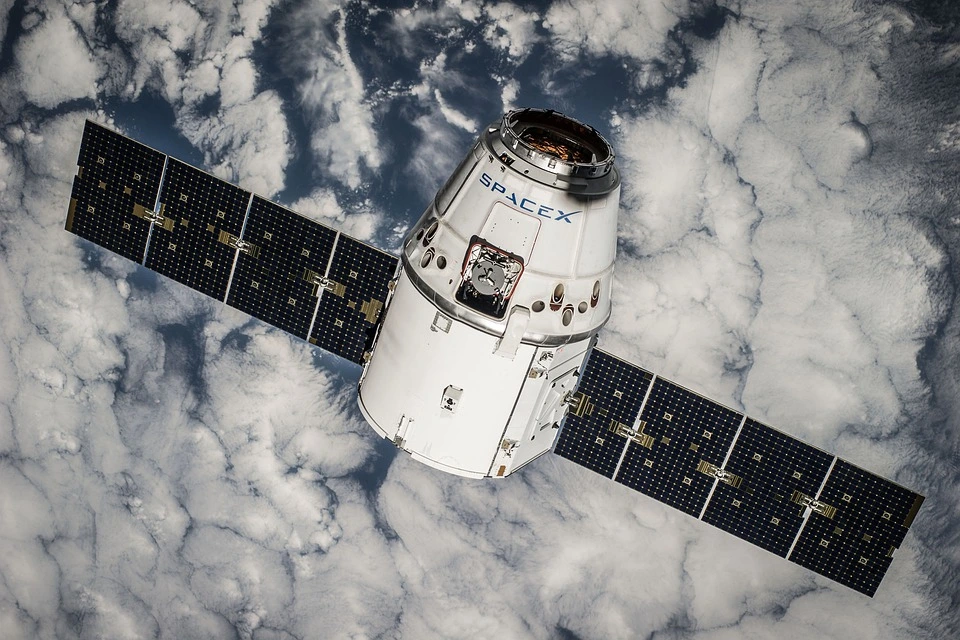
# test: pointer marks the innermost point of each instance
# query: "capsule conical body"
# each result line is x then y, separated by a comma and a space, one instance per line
505, 282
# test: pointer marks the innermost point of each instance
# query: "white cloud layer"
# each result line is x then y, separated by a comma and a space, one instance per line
511, 29
190, 53
332, 91
636, 29
170, 468
48, 80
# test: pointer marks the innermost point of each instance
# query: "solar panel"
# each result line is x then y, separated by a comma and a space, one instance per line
735, 473
775, 469
114, 191
685, 436
220, 240
605, 406
354, 292
195, 240
270, 282
858, 522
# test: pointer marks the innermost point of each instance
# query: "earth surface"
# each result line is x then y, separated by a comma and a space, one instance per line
789, 245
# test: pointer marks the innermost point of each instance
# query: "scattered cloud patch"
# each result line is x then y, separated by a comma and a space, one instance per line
511, 29
48, 80
636, 29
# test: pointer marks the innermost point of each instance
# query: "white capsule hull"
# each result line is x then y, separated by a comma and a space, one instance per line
505, 283
437, 391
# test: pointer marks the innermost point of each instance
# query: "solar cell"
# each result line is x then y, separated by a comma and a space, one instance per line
860, 522
114, 191
608, 398
269, 282
195, 241
354, 292
685, 431
773, 468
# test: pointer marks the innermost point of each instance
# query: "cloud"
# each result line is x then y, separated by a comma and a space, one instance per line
795, 214
636, 29
331, 88
440, 143
5, 6
454, 117
171, 467
508, 93
248, 143
194, 53
690, 278
511, 29
48, 80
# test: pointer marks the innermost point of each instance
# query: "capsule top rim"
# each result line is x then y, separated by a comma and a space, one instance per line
557, 143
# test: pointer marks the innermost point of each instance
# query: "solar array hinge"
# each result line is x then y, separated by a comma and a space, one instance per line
720, 474
233, 241
580, 404
155, 217
813, 504
637, 435
321, 282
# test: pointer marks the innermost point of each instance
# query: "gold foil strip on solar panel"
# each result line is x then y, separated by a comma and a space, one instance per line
152, 216
580, 404
327, 284
233, 241
917, 501
638, 436
712, 470
70, 213
371, 310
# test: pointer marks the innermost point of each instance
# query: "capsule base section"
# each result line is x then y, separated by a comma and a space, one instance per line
439, 390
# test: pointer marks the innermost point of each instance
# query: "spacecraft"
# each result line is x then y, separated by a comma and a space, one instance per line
478, 343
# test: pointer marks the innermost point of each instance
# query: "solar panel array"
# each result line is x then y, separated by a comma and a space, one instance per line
735, 473
773, 466
289, 271
608, 398
288, 246
856, 544
114, 192
685, 429
195, 209
357, 280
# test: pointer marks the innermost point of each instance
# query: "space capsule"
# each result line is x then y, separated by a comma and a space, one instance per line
504, 283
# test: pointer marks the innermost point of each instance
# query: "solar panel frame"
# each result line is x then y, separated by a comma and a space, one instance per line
115, 190
269, 280
773, 467
683, 429
610, 393
855, 545
200, 213
352, 296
